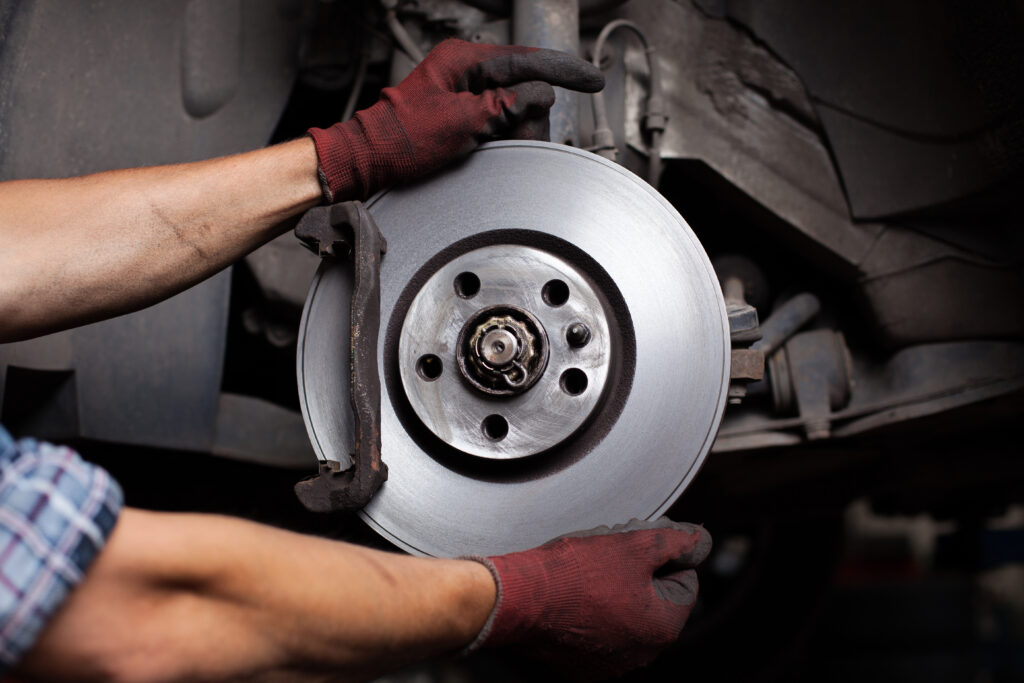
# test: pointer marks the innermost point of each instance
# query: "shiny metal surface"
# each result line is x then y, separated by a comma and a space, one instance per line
502, 350
649, 451
499, 347
545, 414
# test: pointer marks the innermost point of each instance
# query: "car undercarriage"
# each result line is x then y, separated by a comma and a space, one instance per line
773, 272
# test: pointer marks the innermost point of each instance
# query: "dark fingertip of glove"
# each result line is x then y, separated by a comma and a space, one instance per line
567, 71
679, 588
532, 129
693, 557
592, 81
532, 99
701, 551
704, 543
640, 525
551, 66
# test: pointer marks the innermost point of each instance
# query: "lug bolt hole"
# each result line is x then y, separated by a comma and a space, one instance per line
495, 427
429, 367
574, 381
467, 285
555, 293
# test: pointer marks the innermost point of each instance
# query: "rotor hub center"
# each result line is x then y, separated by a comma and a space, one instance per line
502, 350
499, 347
505, 351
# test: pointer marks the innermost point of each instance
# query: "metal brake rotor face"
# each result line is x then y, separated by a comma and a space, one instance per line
486, 355
517, 215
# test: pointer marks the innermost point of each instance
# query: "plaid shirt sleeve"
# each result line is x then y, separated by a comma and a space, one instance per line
56, 512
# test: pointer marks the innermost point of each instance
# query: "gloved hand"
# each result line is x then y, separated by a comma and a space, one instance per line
598, 603
462, 94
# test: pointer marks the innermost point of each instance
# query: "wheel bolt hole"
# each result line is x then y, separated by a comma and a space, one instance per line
555, 293
495, 427
574, 381
467, 285
429, 367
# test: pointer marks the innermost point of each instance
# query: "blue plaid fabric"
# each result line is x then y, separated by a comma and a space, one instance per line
56, 512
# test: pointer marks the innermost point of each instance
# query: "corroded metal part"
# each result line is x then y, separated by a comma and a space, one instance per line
333, 232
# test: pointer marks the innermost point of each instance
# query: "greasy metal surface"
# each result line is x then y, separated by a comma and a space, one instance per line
539, 418
819, 372
747, 364
920, 100
735, 107
785, 321
947, 298
333, 232
664, 430
915, 382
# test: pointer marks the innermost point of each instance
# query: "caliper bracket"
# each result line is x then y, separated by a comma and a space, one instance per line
336, 232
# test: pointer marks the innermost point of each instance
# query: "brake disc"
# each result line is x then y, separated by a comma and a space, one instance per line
554, 352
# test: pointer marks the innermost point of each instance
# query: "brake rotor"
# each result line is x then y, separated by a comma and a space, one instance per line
554, 352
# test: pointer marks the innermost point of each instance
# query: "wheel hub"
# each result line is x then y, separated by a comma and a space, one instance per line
505, 345
502, 350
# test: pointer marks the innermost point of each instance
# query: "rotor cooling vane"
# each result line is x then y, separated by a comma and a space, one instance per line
554, 352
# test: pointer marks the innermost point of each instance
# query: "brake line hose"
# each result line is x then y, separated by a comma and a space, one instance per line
655, 119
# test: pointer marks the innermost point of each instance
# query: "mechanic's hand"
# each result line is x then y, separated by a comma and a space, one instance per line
460, 95
598, 603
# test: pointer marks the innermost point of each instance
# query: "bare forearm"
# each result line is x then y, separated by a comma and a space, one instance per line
200, 597
76, 250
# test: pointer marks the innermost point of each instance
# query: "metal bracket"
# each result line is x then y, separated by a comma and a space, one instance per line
335, 232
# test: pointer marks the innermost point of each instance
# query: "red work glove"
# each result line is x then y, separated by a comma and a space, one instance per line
462, 94
598, 603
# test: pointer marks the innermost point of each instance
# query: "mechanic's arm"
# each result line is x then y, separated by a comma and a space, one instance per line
200, 597
76, 250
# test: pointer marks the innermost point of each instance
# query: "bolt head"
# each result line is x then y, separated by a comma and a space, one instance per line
578, 335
